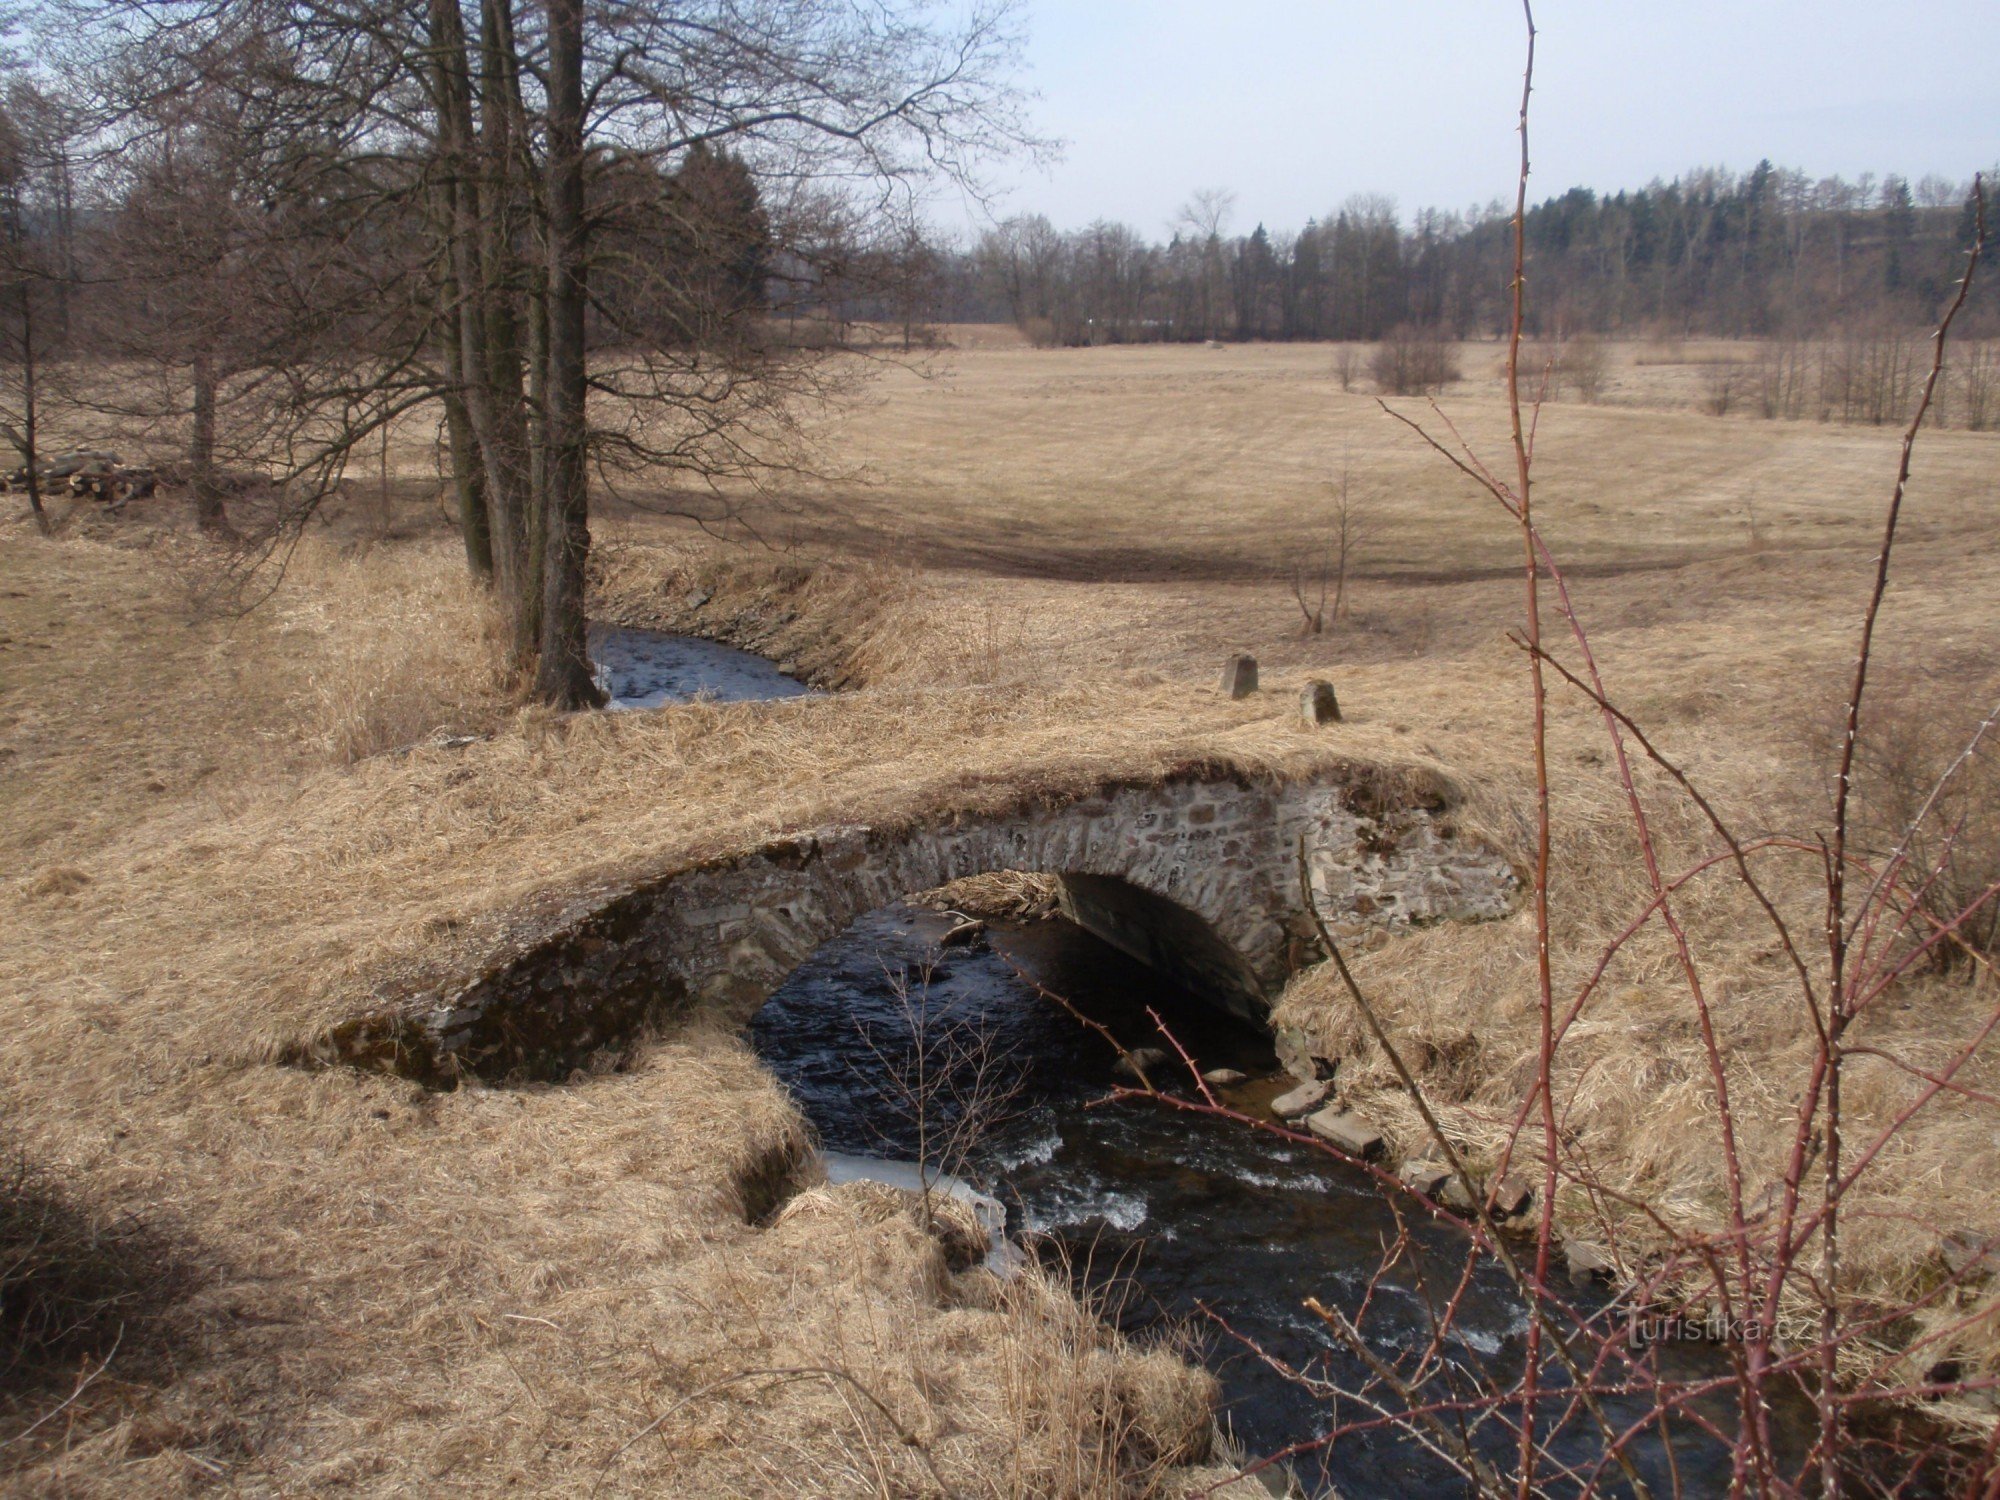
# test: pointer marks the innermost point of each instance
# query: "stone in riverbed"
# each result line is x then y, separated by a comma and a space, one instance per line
1239, 677
1139, 1062
1296, 1056
1347, 1132
1224, 1076
1508, 1198
1511, 1197
1425, 1178
963, 934
1302, 1100
1588, 1263
695, 598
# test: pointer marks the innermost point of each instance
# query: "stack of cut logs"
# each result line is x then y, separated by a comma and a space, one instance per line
88, 472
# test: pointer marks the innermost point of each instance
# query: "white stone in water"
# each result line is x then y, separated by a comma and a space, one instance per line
1239, 676
1139, 1062
1317, 704
1223, 1076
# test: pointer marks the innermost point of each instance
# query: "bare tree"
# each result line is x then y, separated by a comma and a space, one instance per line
944, 1080
1346, 365
37, 270
1204, 218
1319, 585
495, 131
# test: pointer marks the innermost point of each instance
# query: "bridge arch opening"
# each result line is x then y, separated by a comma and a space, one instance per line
917, 1036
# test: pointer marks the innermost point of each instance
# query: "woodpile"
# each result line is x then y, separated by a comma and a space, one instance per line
87, 472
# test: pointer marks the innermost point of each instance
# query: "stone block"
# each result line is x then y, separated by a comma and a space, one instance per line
1302, 1100
1511, 1197
1239, 677
1425, 1178
1970, 1255
1588, 1263
1317, 704
1297, 1057
1347, 1132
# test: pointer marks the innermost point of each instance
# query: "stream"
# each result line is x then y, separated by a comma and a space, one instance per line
646, 668
1158, 1212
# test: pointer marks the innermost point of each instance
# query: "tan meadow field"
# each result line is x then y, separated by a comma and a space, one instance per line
222, 834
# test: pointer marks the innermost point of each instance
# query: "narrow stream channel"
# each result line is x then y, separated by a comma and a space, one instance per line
647, 668
1161, 1212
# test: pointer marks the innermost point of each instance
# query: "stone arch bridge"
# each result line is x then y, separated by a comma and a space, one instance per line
1195, 873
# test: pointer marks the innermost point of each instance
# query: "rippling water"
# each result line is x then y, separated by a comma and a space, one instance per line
646, 668
1164, 1212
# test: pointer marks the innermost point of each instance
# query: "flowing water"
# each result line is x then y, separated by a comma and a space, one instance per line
900, 1050
646, 668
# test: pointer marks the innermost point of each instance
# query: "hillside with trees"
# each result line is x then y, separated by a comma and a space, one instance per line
1771, 252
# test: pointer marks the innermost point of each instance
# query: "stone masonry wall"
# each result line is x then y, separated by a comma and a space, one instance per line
1223, 852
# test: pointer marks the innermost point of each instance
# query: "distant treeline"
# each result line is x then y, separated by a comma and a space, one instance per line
1769, 252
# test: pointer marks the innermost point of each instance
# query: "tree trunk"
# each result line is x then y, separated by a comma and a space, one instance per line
500, 199
538, 425
28, 411
496, 422
209, 514
468, 475
564, 678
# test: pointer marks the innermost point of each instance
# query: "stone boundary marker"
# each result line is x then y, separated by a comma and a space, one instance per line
1317, 704
1239, 677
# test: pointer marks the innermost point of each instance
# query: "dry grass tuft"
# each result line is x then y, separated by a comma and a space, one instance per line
1008, 895
407, 647
57, 880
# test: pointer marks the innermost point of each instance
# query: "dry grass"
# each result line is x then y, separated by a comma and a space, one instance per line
400, 1291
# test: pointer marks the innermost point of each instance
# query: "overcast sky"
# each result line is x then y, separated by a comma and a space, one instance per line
1295, 104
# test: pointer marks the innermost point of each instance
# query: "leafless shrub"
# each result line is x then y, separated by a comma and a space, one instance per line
942, 1079
1720, 382
1346, 365
1414, 360
1565, 364
1770, 1267
1320, 579
1871, 373
1781, 380
1977, 372
1586, 366
1926, 794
